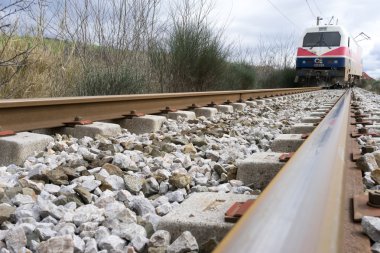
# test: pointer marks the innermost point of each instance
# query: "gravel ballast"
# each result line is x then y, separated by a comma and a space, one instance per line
108, 194
369, 162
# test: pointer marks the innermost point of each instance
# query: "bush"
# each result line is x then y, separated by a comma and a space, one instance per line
278, 78
288, 76
197, 57
371, 85
108, 80
238, 76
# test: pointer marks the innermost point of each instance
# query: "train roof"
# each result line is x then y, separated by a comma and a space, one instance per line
326, 28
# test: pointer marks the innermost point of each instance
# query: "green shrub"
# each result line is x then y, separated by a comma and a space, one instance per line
238, 76
371, 85
197, 57
288, 75
278, 78
108, 80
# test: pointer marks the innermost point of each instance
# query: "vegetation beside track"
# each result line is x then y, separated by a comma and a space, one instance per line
184, 52
371, 85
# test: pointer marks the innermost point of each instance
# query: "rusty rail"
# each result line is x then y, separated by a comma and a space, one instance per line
30, 114
301, 209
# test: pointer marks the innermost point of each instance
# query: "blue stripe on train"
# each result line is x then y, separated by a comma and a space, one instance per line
315, 62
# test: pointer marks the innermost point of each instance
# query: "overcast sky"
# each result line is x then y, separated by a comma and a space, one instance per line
247, 20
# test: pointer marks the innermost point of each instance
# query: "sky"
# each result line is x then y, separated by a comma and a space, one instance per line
246, 20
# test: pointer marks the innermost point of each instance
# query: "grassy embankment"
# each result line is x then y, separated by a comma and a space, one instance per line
189, 63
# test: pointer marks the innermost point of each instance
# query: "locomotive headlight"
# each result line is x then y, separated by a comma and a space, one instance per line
335, 61
303, 61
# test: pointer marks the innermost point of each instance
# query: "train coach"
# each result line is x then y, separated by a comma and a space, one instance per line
328, 56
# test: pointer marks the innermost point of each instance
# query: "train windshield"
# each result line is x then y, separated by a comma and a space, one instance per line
322, 39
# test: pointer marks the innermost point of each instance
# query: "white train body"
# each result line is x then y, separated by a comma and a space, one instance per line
328, 54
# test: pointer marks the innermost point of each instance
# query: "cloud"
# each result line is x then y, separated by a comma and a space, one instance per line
372, 62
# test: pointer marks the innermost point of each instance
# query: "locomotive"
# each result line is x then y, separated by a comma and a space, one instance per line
328, 56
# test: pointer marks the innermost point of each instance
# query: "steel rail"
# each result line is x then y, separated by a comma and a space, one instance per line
30, 114
301, 209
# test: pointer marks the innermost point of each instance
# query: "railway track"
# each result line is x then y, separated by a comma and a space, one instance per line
154, 175
311, 206
30, 114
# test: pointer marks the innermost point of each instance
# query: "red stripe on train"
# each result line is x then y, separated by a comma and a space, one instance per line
304, 52
341, 51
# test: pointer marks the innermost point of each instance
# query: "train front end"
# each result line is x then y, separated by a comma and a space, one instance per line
325, 57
